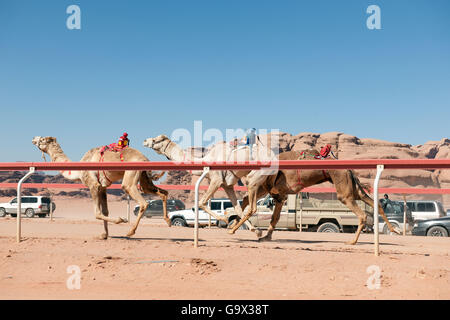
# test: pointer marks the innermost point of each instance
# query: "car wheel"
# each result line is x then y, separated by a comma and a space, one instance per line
387, 231
437, 231
2, 212
328, 227
243, 227
29, 213
179, 222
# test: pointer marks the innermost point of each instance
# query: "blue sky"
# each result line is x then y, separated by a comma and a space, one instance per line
150, 67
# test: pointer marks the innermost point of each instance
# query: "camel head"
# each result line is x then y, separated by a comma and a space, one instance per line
43, 142
159, 144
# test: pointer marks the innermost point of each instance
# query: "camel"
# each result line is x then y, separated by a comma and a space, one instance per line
348, 189
98, 181
217, 178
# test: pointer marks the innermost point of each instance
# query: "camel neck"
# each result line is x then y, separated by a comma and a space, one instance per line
175, 153
56, 154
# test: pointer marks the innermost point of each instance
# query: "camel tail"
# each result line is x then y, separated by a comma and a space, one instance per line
367, 199
361, 188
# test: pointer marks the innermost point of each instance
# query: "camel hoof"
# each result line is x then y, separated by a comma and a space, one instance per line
103, 236
231, 226
121, 220
131, 233
231, 231
352, 243
264, 239
169, 222
258, 233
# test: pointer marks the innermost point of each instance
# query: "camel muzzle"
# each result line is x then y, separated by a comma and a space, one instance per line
36, 140
148, 143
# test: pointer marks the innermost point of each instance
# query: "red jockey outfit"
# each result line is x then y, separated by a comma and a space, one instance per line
123, 141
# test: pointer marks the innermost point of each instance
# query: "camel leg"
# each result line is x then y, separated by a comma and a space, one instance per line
213, 187
252, 198
163, 194
136, 195
370, 202
96, 193
232, 196
149, 188
273, 222
352, 205
105, 212
129, 185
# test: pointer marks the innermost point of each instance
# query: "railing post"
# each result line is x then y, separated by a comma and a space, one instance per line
197, 186
19, 203
380, 169
128, 209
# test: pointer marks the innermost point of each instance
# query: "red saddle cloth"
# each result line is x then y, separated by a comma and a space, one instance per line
111, 147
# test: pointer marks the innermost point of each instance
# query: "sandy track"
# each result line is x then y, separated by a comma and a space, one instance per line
294, 266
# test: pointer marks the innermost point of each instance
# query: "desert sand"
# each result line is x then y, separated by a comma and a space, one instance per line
161, 262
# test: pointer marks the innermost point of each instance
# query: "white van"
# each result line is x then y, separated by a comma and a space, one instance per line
425, 210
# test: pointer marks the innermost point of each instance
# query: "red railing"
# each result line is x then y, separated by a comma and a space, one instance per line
12, 185
429, 164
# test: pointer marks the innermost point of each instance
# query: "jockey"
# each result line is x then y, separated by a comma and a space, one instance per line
123, 141
324, 151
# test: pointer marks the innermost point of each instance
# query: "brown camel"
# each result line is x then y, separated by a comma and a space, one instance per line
348, 189
217, 178
98, 181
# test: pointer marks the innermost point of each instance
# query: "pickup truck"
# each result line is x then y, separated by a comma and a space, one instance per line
317, 215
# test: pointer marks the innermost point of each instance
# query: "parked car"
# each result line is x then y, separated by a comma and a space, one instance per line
186, 217
31, 206
155, 207
439, 227
425, 210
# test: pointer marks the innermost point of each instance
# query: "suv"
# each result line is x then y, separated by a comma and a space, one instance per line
425, 210
186, 218
155, 207
31, 206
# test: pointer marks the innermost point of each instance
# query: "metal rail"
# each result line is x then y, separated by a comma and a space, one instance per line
428, 164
